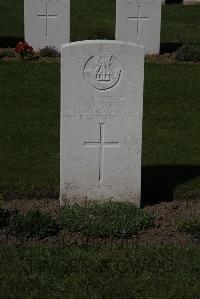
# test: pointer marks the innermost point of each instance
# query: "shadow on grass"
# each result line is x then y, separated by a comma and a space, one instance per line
9, 42
158, 185
169, 47
173, 1
159, 182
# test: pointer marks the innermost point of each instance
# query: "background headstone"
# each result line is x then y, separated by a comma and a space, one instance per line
47, 23
139, 21
101, 121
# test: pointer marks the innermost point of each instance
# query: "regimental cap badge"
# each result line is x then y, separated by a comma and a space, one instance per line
102, 70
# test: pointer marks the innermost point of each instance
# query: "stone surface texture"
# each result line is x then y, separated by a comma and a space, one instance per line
101, 121
139, 21
47, 23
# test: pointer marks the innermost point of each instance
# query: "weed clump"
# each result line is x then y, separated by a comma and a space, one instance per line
49, 51
114, 220
188, 53
4, 217
191, 226
9, 52
33, 224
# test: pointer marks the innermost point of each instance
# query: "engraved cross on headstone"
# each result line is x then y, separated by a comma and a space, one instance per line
47, 16
101, 144
139, 18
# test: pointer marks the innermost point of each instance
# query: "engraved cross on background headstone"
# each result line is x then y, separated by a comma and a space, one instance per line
101, 144
47, 16
139, 18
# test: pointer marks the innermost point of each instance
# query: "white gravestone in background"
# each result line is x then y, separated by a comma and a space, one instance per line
101, 121
47, 23
139, 21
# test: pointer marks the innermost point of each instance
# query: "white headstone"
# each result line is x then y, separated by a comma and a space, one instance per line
47, 23
101, 121
139, 21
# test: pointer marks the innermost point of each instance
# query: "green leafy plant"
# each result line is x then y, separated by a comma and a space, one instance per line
33, 224
49, 51
9, 52
191, 226
1, 54
1, 199
4, 217
188, 53
118, 220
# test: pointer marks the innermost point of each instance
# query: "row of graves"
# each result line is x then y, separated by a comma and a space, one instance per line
101, 97
47, 23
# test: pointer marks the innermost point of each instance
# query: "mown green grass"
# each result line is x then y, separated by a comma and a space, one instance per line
180, 24
171, 152
91, 272
11, 19
29, 131
29, 112
96, 19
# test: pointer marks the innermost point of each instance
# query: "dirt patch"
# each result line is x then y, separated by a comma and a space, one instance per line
163, 233
167, 58
34, 59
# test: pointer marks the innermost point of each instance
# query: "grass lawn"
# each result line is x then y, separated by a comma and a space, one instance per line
29, 126
91, 272
29, 132
180, 24
96, 19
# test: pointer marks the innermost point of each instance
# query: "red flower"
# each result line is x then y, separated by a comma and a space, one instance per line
23, 49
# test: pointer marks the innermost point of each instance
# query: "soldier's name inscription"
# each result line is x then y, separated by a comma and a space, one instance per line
100, 107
